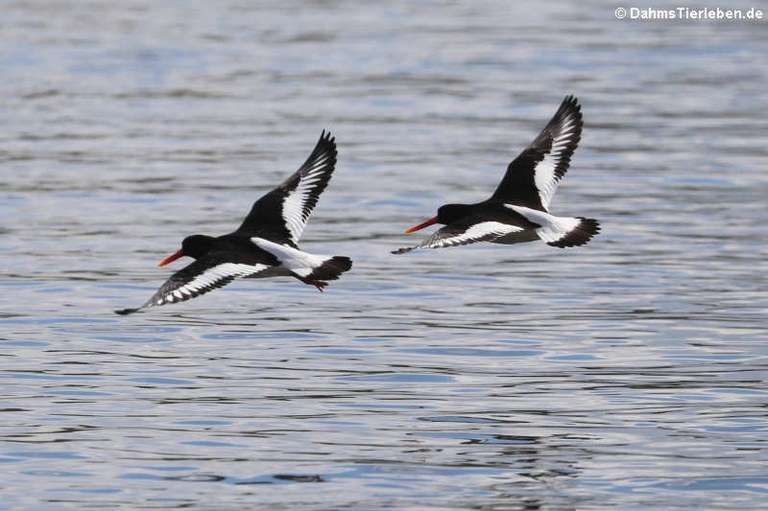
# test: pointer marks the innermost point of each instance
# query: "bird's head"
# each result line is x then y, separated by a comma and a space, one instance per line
445, 215
194, 246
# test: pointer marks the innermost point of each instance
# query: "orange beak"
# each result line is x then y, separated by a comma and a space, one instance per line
422, 225
171, 258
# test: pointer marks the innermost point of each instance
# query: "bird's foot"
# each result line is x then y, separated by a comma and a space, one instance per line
319, 284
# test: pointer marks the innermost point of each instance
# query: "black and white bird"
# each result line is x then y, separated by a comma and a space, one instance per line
265, 245
518, 211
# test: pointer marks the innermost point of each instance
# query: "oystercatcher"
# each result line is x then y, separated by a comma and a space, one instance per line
518, 211
265, 245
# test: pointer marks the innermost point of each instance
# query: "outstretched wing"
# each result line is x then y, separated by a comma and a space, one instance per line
282, 214
532, 177
463, 232
197, 278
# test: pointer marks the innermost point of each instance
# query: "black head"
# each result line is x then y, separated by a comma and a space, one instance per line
194, 246
197, 245
450, 213
445, 215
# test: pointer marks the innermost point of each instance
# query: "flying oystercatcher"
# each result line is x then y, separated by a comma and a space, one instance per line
518, 211
265, 245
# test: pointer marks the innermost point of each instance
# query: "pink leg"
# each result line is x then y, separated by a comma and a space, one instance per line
319, 284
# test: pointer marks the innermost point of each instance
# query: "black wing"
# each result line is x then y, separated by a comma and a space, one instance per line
282, 214
463, 232
197, 278
532, 177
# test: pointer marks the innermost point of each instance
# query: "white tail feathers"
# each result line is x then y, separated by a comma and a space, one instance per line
304, 264
560, 231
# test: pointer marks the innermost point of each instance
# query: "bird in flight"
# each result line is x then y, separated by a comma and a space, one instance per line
518, 211
265, 244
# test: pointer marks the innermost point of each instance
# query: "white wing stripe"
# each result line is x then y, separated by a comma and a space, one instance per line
294, 203
544, 177
482, 231
478, 231
209, 278
544, 172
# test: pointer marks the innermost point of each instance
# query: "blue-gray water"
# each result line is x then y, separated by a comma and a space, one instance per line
626, 374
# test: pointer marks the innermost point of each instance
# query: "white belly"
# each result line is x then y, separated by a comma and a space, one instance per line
518, 237
272, 271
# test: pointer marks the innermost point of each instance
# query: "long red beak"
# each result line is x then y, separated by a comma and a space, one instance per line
171, 258
422, 225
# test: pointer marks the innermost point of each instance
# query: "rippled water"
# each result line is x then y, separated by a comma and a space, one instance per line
625, 374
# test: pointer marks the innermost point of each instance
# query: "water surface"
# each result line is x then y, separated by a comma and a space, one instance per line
625, 374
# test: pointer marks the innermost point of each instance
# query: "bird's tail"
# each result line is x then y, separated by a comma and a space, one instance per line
571, 232
331, 268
